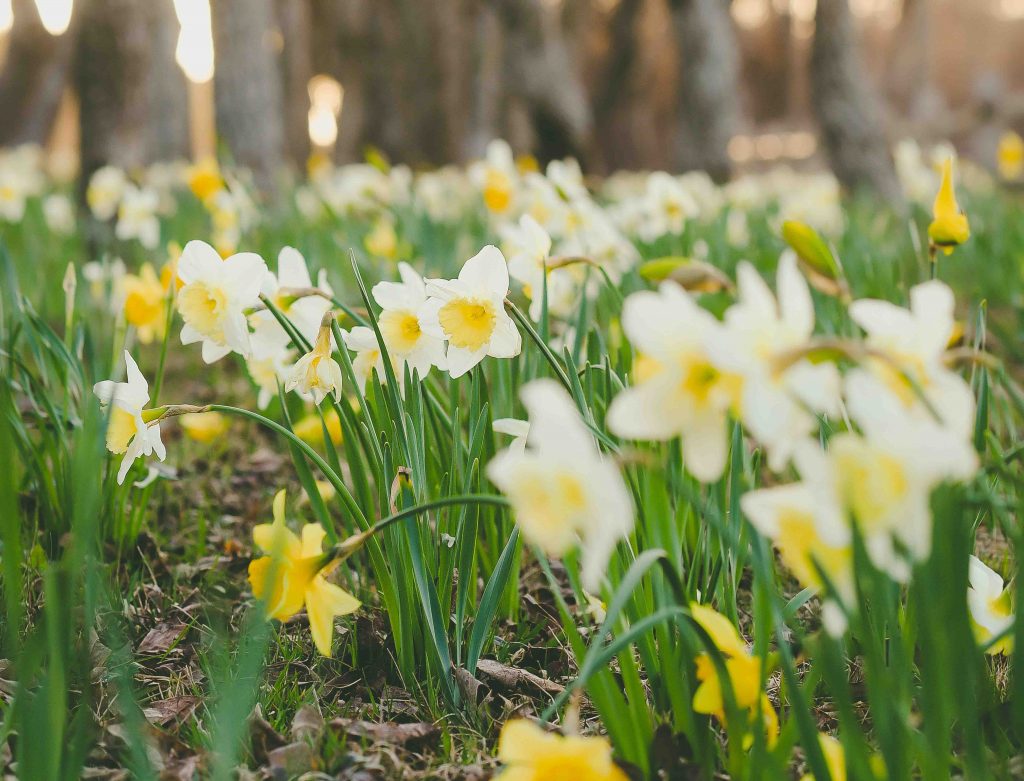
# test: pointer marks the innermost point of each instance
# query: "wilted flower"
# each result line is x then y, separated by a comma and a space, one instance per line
127, 429
528, 753
561, 488
316, 372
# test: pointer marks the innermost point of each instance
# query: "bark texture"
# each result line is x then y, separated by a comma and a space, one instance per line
846, 106
295, 18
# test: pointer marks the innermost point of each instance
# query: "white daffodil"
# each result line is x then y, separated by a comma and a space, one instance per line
127, 429
316, 372
561, 488
990, 605
59, 213
290, 290
677, 390
527, 246
363, 342
136, 217
913, 343
883, 479
214, 298
519, 430
401, 327
268, 373
470, 312
778, 401
496, 178
12, 198
104, 192
668, 204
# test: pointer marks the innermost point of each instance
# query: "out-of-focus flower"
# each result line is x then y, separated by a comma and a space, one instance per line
835, 758
204, 179
527, 246
268, 373
369, 358
214, 298
528, 753
145, 303
949, 228
382, 240
12, 198
678, 390
205, 427
519, 430
496, 177
400, 323
136, 217
292, 575
1010, 156
778, 402
561, 488
470, 312
991, 607
310, 429
317, 372
105, 190
59, 213
128, 429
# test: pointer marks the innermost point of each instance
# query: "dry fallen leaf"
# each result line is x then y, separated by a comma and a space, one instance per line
515, 679
163, 712
161, 638
387, 732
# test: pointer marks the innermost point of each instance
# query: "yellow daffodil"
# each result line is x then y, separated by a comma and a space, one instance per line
382, 240
1010, 156
310, 429
205, 427
949, 227
292, 576
145, 303
835, 758
528, 753
204, 179
743, 668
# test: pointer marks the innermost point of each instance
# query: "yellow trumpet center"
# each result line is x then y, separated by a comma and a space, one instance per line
468, 322
203, 308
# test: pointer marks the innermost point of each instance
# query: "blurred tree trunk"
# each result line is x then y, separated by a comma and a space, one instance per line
111, 67
709, 86
486, 97
615, 90
33, 79
168, 117
247, 87
295, 18
540, 75
846, 106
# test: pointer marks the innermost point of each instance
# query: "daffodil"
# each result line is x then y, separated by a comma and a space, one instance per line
949, 227
527, 246
369, 358
528, 753
469, 312
204, 179
137, 217
214, 299
292, 291
1010, 156
835, 758
128, 427
679, 390
205, 427
59, 213
382, 240
145, 303
908, 348
316, 372
268, 373
991, 607
310, 429
401, 325
293, 575
561, 488
106, 187
496, 177
519, 430
742, 667
780, 396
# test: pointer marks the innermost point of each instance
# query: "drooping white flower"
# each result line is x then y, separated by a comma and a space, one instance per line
127, 431
678, 390
469, 312
778, 402
214, 298
316, 372
913, 342
401, 324
561, 487
137, 216
990, 605
289, 290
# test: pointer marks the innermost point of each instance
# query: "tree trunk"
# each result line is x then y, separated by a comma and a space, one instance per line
112, 64
709, 108
167, 89
33, 79
487, 98
247, 87
846, 106
295, 18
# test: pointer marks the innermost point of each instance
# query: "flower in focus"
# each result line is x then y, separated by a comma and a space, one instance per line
292, 575
528, 753
991, 607
215, 296
128, 431
205, 427
470, 312
293, 293
743, 668
400, 323
145, 303
677, 389
316, 372
136, 217
949, 227
561, 488
778, 402
1010, 156
106, 187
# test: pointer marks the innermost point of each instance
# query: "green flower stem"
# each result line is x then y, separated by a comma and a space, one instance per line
550, 356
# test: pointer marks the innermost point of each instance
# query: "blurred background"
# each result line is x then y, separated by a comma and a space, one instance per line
619, 84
